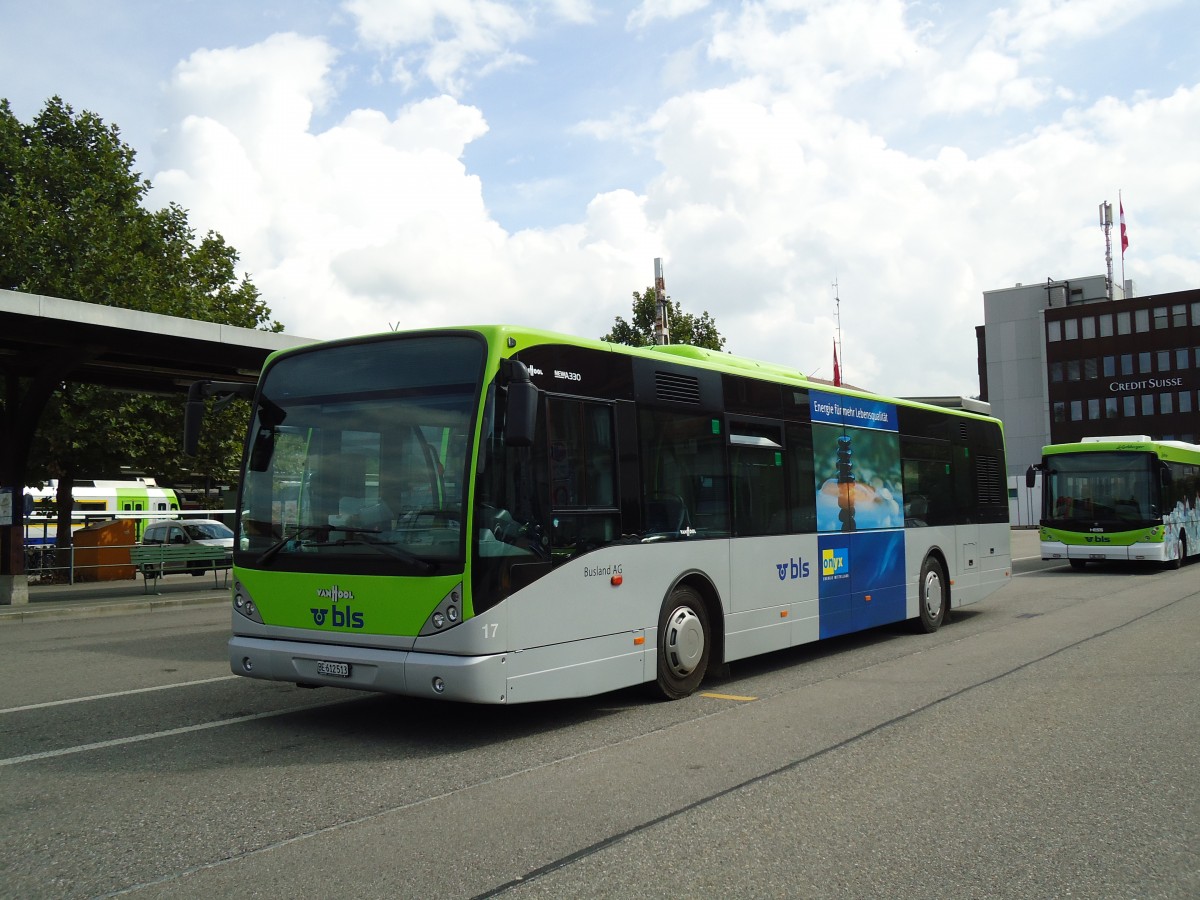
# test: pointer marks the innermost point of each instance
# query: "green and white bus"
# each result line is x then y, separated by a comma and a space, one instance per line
504, 515
1120, 498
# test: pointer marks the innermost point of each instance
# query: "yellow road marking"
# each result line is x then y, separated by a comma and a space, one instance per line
727, 697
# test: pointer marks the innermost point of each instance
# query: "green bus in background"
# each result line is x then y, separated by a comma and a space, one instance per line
1120, 498
500, 515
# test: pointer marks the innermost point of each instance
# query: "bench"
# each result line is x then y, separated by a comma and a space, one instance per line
151, 558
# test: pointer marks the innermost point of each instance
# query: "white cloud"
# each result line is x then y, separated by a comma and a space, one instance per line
767, 189
1036, 27
649, 10
830, 44
448, 41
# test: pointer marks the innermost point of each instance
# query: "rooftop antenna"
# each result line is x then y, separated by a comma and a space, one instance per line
839, 355
662, 330
1106, 224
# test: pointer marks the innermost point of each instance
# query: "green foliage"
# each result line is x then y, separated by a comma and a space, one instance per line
699, 331
72, 225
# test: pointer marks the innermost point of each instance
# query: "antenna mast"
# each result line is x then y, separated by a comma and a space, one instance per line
837, 314
1106, 224
662, 330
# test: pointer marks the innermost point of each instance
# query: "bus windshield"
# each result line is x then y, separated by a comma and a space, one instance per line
357, 457
1101, 487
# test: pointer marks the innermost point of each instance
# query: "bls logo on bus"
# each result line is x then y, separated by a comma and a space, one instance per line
338, 618
796, 568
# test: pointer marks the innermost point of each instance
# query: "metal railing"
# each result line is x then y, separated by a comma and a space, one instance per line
43, 564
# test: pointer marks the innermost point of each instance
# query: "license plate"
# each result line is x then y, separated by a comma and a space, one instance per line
337, 669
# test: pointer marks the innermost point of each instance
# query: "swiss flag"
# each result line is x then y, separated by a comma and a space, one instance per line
1124, 236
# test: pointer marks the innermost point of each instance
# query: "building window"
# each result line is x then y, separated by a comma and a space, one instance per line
1161, 319
1147, 404
1110, 366
1076, 410
1130, 405
1123, 323
1056, 372
1088, 328
1090, 372
1181, 358
1141, 320
1106, 325
1144, 362
1053, 331
1185, 401
1060, 411
1179, 316
1164, 360
1094, 408
1126, 363
1196, 356
1070, 329
1196, 313
1166, 404
1111, 408
1072, 370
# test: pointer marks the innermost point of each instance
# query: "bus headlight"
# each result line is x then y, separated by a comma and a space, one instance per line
446, 614
244, 604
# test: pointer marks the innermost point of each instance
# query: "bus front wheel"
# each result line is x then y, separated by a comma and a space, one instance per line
934, 596
684, 643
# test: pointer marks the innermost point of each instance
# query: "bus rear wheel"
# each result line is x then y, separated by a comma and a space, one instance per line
934, 596
1180, 553
684, 644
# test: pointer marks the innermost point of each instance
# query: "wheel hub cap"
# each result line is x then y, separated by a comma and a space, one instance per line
685, 642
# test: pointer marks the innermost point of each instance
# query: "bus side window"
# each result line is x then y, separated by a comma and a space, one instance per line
801, 483
582, 476
683, 456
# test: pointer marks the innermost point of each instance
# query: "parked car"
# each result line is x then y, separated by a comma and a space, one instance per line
207, 532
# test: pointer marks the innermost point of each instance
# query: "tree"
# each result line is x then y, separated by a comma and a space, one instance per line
699, 331
72, 225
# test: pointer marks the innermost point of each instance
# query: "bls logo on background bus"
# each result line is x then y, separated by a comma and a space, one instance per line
338, 618
1098, 539
796, 568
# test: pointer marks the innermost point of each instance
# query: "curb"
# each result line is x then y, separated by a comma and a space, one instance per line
48, 610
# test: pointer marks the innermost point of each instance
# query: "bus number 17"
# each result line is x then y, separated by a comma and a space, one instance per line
489, 629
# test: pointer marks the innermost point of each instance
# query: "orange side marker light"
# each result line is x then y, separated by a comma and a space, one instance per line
638, 641
616, 580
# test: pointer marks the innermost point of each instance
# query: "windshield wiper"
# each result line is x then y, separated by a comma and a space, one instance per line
271, 552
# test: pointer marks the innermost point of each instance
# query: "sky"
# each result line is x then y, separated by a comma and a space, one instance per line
796, 164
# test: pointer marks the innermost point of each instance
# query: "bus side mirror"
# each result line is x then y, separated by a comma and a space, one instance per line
1031, 477
521, 419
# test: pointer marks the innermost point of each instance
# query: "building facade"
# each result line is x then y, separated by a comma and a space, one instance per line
1060, 361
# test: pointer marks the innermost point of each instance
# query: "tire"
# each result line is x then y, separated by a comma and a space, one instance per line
684, 644
933, 595
1180, 553
1078, 564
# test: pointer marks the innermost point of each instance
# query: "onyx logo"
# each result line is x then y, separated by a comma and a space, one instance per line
793, 568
